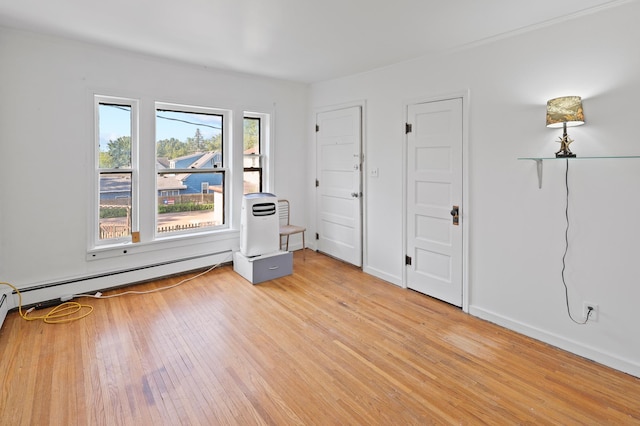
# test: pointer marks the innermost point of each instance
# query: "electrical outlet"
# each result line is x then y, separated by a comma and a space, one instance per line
594, 311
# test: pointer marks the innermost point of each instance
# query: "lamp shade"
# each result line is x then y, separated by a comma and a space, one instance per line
565, 110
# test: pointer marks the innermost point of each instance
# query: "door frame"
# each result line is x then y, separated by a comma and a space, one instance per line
465, 95
313, 218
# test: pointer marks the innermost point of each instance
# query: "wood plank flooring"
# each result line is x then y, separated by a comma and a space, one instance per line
328, 345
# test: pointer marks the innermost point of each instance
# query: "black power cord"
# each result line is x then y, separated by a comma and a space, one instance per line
566, 249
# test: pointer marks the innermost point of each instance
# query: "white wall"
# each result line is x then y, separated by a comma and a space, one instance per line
46, 145
516, 231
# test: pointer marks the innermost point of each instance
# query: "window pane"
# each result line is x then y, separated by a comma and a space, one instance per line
187, 140
251, 135
252, 182
115, 136
196, 201
252, 161
115, 205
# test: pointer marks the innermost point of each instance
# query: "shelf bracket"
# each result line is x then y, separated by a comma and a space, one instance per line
539, 168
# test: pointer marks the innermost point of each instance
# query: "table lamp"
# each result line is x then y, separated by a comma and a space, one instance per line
565, 112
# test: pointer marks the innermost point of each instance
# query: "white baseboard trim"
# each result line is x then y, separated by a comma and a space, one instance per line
383, 275
591, 353
84, 285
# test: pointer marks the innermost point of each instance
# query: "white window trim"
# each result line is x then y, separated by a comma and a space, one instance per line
266, 148
143, 139
96, 242
227, 124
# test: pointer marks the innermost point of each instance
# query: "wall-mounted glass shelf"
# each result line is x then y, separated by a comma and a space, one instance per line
539, 161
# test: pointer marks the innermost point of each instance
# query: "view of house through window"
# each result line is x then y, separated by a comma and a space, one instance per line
190, 168
115, 170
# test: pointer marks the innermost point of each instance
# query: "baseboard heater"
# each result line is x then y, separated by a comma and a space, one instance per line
46, 295
4, 302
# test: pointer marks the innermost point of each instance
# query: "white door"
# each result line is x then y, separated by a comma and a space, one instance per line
434, 191
339, 184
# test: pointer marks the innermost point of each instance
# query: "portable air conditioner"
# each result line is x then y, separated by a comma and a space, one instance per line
259, 224
260, 258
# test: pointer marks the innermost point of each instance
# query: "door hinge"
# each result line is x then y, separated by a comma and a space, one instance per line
407, 260
317, 128
408, 128
317, 183
317, 236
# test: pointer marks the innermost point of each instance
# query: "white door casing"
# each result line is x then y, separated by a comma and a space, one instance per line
434, 185
339, 183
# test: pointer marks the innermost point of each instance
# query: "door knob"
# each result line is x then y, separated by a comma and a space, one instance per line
455, 213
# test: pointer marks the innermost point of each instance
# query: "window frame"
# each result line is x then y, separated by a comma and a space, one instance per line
98, 172
225, 170
264, 146
144, 187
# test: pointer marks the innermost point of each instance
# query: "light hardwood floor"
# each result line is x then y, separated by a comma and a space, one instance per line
328, 345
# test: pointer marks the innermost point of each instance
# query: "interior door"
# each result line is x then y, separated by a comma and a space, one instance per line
339, 183
434, 194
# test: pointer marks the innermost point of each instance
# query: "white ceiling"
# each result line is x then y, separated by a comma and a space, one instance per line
300, 40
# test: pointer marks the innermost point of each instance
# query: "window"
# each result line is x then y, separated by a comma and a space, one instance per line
116, 128
172, 176
254, 137
190, 165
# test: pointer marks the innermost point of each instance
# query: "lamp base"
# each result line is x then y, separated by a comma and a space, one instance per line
565, 141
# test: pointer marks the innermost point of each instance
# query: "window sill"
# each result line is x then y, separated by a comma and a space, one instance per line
165, 243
